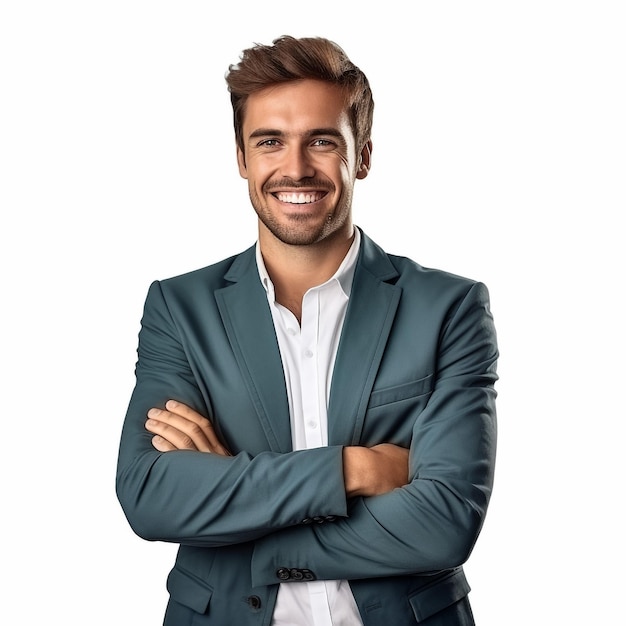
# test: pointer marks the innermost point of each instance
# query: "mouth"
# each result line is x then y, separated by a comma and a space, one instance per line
301, 197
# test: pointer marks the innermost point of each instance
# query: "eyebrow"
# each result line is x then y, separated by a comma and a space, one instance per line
314, 132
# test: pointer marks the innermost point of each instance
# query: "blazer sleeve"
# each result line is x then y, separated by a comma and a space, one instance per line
432, 523
196, 498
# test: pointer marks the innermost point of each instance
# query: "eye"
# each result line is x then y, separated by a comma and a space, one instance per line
268, 143
323, 143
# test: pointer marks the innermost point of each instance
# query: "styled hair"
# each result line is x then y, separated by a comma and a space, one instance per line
289, 59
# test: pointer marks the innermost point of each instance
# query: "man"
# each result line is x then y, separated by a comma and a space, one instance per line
313, 420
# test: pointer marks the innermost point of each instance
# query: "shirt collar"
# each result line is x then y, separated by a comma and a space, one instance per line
343, 275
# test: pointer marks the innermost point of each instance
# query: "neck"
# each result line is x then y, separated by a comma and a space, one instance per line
296, 269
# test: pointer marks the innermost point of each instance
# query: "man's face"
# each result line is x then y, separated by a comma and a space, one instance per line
300, 162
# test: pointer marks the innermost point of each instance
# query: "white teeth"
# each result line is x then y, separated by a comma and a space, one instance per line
298, 198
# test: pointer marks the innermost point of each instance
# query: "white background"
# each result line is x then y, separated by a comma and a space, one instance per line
499, 154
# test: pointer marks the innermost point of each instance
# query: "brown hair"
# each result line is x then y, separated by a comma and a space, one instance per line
289, 59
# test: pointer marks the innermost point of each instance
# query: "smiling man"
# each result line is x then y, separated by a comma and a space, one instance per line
313, 419
300, 158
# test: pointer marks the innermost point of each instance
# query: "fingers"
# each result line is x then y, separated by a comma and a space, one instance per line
179, 427
162, 445
199, 424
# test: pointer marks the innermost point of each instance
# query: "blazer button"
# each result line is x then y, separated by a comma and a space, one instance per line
254, 602
296, 574
282, 573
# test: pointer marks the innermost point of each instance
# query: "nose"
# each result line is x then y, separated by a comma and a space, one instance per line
297, 164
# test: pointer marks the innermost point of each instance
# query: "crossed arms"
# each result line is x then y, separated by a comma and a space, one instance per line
177, 481
366, 471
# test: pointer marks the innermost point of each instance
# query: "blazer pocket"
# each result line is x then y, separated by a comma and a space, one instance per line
401, 392
439, 595
189, 591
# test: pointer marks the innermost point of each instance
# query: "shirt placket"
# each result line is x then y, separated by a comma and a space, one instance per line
309, 383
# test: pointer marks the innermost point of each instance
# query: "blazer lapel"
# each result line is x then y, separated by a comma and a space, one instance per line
369, 318
248, 323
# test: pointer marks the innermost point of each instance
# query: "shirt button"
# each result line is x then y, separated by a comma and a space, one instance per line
291, 331
308, 353
312, 424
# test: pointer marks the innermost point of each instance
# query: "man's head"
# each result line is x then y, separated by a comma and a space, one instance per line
303, 115
290, 59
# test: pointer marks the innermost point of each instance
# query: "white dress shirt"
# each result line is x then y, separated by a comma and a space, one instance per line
308, 353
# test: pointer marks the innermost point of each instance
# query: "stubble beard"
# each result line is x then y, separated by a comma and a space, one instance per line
301, 230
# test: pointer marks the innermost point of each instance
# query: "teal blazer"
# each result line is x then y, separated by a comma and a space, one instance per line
416, 366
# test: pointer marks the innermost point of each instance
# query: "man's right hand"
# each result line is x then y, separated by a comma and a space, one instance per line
179, 427
376, 470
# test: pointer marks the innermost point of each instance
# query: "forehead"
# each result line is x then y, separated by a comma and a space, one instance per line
297, 106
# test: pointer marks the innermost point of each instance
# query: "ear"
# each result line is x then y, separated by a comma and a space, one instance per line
365, 161
241, 162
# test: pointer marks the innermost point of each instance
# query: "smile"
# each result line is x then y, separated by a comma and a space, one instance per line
300, 198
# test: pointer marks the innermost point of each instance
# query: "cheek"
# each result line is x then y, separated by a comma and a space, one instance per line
347, 177
259, 174
337, 170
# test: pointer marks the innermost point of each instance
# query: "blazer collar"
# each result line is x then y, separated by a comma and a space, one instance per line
248, 323
369, 319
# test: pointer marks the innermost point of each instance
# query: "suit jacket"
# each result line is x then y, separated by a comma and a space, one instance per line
416, 366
